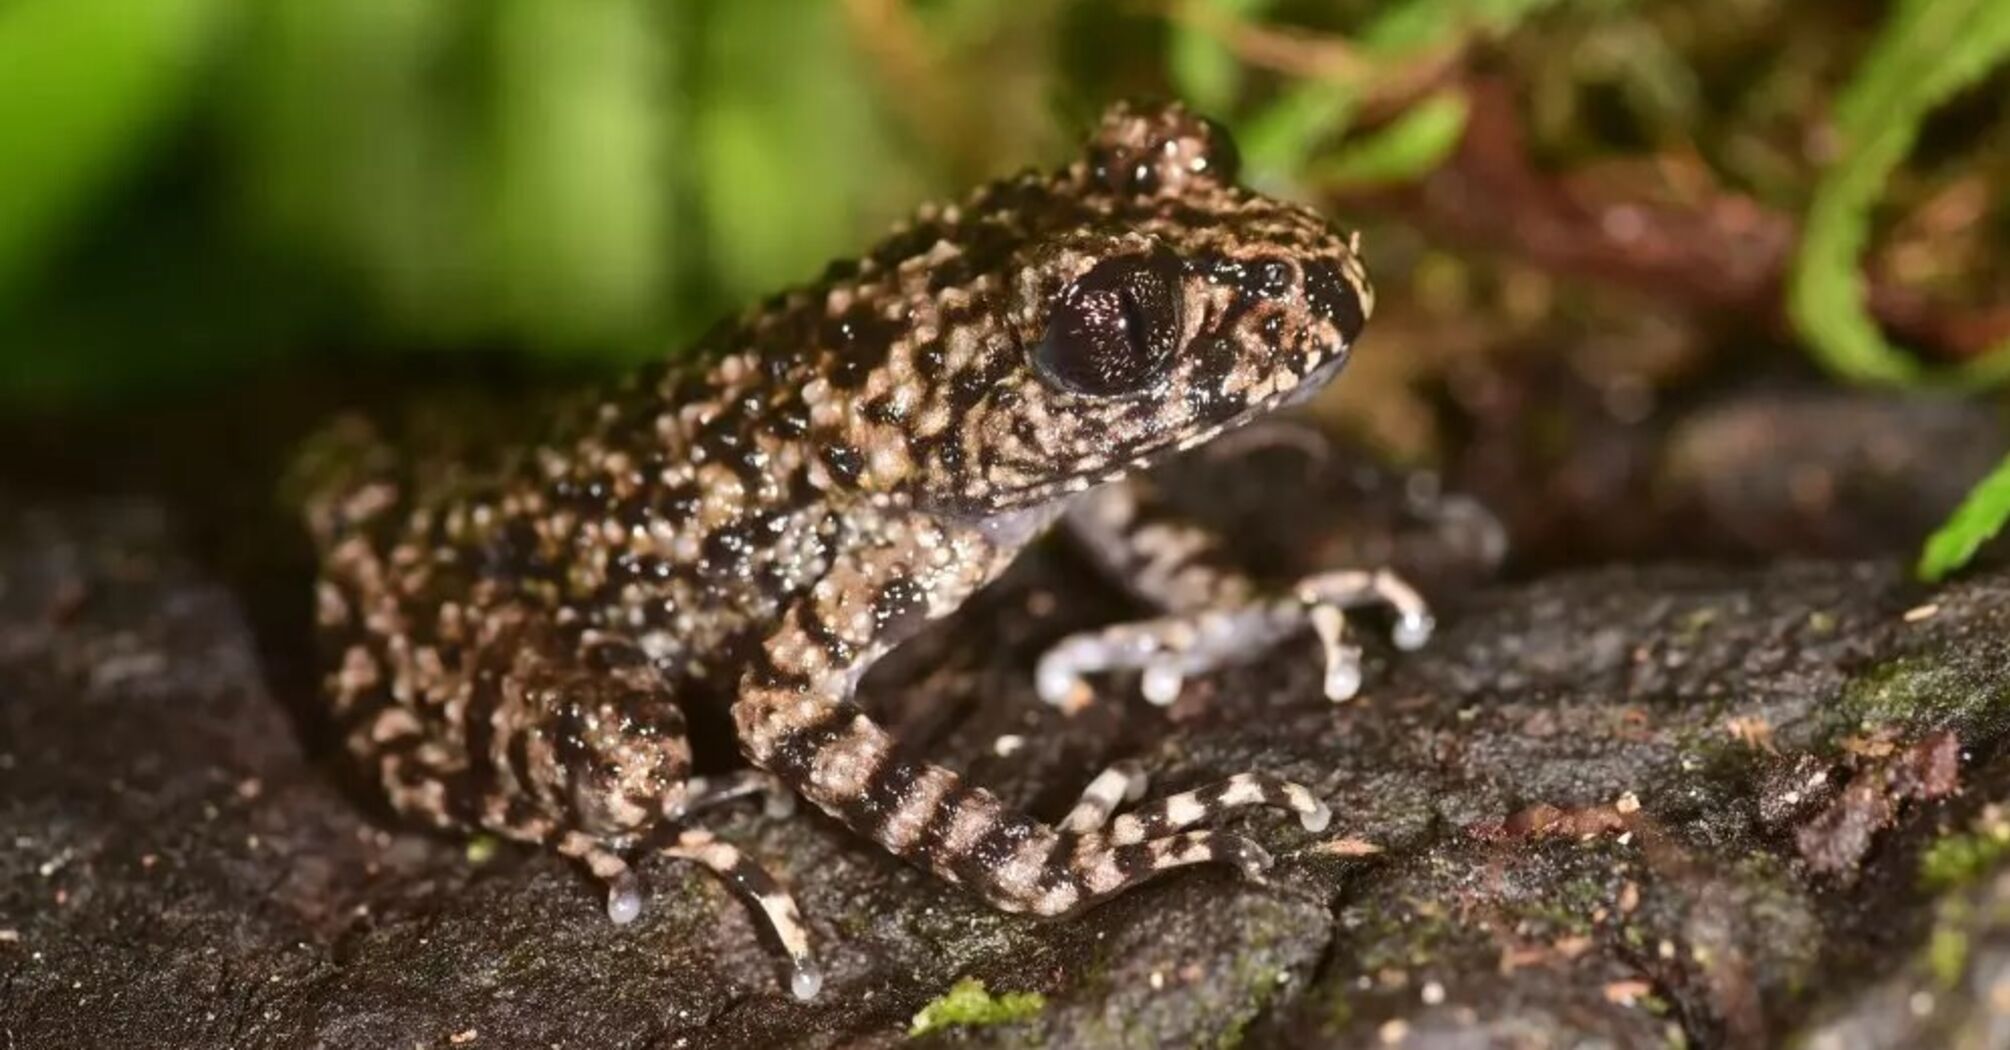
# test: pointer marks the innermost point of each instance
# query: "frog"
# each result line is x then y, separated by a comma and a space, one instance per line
514, 639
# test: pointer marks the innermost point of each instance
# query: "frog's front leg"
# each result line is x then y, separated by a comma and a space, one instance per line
795, 717
1215, 614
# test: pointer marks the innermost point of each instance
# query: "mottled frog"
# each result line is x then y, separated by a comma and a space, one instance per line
511, 646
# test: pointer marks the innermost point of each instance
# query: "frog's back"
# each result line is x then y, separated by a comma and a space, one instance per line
686, 505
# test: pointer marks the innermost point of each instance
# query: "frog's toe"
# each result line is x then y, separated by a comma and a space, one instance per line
624, 898
1162, 681
1343, 661
624, 890
1413, 631
1248, 857
1058, 678
807, 980
1354, 588
1123, 782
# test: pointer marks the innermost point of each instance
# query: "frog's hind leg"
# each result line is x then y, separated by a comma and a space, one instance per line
624, 890
584, 740
795, 718
775, 904
1125, 781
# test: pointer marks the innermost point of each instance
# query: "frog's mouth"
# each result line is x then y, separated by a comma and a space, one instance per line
1296, 394
1306, 390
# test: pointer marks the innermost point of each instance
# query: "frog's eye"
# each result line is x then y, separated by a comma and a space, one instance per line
1113, 332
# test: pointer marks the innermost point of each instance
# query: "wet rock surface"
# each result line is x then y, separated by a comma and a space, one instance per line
1633, 806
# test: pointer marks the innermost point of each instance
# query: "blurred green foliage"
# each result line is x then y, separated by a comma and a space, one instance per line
193, 186
1928, 51
1280, 137
67, 125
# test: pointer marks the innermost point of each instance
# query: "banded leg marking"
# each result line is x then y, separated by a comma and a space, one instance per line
1177, 812
1099, 869
757, 886
624, 890
1123, 782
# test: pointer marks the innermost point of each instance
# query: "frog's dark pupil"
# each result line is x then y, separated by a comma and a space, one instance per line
1113, 332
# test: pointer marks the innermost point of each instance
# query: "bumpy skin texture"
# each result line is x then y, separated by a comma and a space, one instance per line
512, 644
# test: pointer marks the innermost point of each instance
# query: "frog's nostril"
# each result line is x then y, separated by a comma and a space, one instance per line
1273, 278
1333, 295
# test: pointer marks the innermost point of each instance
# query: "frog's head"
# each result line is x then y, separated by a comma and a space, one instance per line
1057, 330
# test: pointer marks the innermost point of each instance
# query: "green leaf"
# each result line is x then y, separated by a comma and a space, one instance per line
83, 83
1929, 50
1979, 517
1411, 146
1279, 140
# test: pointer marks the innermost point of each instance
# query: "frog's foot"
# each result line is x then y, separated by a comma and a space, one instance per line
624, 890
1171, 649
1157, 819
766, 895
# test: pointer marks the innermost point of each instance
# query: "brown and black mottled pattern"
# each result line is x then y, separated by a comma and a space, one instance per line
510, 648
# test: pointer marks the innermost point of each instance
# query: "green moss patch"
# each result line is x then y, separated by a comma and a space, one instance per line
968, 1004
1960, 858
